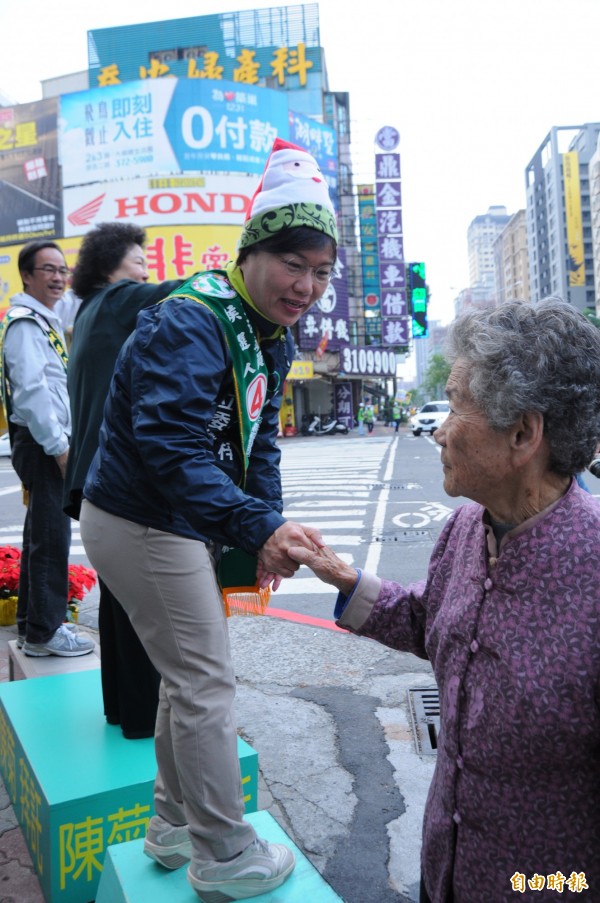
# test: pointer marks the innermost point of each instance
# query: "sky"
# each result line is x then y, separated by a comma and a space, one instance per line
473, 87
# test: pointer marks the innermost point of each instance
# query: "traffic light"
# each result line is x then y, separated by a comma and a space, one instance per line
418, 299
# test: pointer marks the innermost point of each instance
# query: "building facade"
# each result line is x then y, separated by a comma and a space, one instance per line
481, 235
594, 180
477, 297
511, 260
559, 222
425, 348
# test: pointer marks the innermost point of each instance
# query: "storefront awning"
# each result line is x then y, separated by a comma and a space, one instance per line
374, 390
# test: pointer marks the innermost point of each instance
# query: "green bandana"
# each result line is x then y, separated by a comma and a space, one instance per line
268, 223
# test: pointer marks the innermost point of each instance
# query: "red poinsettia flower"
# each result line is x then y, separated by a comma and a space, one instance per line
10, 568
81, 580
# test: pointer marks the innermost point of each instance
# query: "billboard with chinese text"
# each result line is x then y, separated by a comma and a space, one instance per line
172, 252
320, 141
419, 297
30, 183
249, 47
168, 126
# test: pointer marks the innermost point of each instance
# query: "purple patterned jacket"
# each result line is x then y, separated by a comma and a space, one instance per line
514, 641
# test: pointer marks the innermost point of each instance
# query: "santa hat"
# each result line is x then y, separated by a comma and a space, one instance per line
292, 192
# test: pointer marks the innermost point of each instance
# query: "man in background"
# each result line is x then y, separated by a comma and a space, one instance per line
33, 368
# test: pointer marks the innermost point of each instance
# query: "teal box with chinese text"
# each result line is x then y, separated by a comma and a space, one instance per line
130, 877
76, 785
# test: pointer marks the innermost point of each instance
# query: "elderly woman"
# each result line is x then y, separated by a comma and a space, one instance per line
509, 613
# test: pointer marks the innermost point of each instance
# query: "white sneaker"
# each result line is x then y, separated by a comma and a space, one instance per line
261, 867
64, 642
167, 844
68, 624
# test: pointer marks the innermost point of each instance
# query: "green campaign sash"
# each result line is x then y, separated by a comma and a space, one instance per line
54, 338
214, 291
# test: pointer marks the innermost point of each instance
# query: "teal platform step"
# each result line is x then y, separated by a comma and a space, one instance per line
130, 877
76, 785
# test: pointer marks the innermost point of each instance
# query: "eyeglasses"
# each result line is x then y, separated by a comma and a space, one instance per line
297, 269
52, 270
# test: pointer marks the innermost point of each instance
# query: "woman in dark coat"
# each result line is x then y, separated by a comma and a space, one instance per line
111, 279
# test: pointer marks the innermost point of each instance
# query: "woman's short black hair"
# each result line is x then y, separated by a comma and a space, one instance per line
101, 253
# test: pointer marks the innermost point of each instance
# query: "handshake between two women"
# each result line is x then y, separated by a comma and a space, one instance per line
293, 544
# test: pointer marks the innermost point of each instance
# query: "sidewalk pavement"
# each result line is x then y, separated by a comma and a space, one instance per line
327, 713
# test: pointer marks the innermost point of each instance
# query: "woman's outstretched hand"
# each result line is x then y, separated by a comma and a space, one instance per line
273, 560
326, 565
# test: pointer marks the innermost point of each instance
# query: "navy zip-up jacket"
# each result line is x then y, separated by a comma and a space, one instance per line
169, 455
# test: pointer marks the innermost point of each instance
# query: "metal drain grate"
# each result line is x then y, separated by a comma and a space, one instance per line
381, 485
424, 706
403, 536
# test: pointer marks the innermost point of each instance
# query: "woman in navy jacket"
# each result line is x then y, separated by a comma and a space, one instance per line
188, 463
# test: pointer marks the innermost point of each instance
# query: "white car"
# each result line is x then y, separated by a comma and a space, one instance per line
4, 446
430, 417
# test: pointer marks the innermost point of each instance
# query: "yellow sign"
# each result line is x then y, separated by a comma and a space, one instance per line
172, 252
575, 263
285, 61
21, 134
301, 370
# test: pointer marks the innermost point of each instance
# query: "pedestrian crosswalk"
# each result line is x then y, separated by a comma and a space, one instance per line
329, 484
333, 485
12, 535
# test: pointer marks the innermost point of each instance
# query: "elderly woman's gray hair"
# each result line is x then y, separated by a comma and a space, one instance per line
543, 357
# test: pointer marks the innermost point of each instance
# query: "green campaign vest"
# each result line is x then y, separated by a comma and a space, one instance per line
214, 291
54, 338
236, 568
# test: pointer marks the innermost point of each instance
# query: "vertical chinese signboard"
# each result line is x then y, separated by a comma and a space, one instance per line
367, 224
30, 185
342, 401
390, 239
576, 260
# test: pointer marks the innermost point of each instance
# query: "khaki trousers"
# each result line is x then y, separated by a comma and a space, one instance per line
171, 595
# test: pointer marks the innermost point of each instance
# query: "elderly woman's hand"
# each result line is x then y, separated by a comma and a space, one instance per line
327, 566
273, 556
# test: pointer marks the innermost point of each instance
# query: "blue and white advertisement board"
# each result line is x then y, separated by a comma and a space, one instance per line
169, 125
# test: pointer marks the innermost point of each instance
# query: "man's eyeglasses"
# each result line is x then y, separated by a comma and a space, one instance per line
52, 270
297, 269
